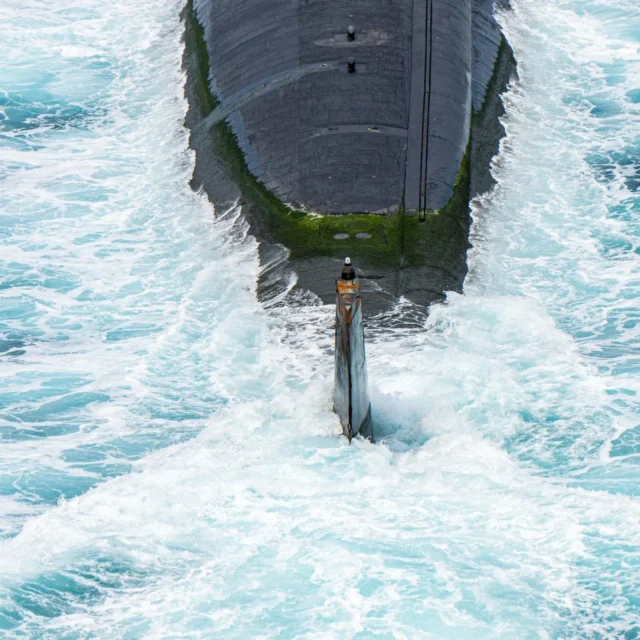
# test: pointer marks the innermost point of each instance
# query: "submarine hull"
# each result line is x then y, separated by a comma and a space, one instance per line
351, 390
327, 162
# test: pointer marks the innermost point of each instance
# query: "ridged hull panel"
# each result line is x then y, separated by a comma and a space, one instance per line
334, 142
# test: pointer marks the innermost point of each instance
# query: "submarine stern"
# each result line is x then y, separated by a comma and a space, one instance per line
351, 390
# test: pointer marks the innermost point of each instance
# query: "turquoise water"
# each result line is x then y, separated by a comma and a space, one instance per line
170, 466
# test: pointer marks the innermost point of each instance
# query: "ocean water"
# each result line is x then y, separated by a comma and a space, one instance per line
169, 463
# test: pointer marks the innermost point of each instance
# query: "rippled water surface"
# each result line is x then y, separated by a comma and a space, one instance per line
169, 463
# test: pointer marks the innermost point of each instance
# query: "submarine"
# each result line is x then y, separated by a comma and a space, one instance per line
360, 128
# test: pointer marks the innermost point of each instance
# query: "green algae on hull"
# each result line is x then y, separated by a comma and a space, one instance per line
195, 38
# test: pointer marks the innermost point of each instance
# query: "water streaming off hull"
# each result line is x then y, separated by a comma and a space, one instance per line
170, 465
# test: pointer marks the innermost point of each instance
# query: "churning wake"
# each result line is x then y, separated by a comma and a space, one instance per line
170, 466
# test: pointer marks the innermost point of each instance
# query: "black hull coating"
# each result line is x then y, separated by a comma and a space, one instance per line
334, 142
351, 393
279, 123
